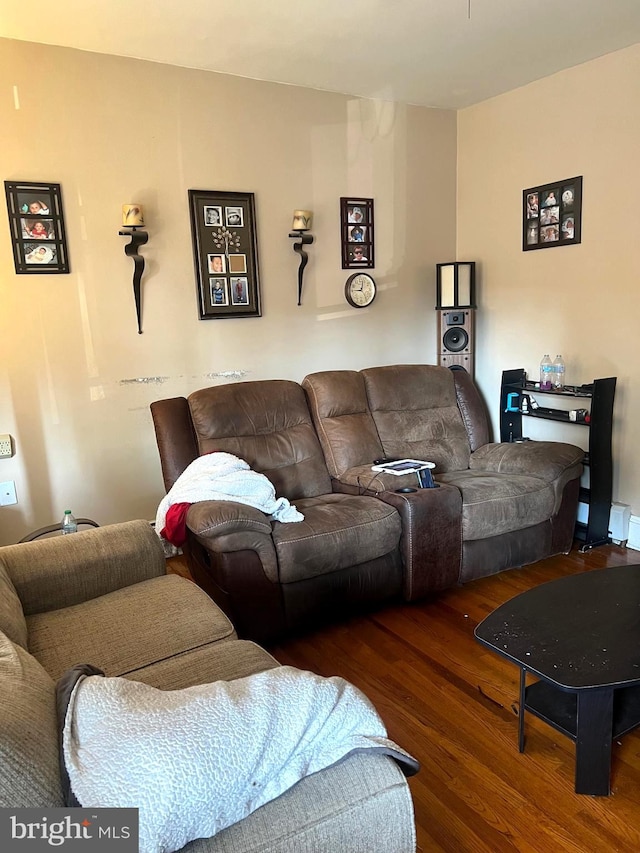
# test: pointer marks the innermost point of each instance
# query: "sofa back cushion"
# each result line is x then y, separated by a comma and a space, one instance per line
268, 424
415, 409
29, 757
338, 403
12, 621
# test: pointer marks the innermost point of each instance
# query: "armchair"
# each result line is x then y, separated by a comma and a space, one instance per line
269, 577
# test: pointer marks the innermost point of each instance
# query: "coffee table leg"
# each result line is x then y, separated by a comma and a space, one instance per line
593, 742
523, 674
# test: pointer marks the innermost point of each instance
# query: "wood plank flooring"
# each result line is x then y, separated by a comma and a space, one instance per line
453, 704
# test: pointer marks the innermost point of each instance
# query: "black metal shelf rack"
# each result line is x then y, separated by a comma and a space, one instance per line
600, 394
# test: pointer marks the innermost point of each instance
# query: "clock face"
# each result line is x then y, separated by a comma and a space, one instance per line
360, 290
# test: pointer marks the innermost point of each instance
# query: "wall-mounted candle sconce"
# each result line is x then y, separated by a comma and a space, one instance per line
132, 220
301, 224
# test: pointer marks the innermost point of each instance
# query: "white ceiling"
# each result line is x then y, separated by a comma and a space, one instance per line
438, 53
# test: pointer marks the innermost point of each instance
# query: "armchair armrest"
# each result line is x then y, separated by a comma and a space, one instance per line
65, 570
548, 460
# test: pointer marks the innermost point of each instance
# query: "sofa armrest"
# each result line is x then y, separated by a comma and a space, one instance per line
431, 540
49, 574
227, 526
365, 481
548, 460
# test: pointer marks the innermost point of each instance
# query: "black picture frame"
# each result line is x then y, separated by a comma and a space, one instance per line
552, 215
225, 254
36, 222
357, 235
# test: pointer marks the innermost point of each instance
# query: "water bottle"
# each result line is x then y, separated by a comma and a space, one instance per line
558, 372
546, 374
69, 524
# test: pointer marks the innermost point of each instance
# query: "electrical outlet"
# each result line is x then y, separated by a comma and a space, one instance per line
8, 493
6, 447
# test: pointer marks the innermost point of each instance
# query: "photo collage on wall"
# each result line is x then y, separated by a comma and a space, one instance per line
357, 235
228, 283
552, 214
223, 227
37, 227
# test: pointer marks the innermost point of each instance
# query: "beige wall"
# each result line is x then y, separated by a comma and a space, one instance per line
113, 130
582, 300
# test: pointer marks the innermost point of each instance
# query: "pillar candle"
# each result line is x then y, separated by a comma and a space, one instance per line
132, 215
302, 220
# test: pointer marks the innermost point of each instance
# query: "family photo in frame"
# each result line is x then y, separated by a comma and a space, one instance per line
552, 214
37, 227
356, 233
225, 254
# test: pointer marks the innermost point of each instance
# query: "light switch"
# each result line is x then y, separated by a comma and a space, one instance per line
8, 493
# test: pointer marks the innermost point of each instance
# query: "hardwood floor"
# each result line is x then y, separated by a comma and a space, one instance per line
453, 704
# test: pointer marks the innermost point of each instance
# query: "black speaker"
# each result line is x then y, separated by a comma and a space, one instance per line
456, 345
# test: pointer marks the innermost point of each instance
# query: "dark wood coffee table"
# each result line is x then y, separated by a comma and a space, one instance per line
580, 635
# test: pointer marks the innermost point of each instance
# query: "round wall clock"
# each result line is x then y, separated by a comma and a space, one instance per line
360, 290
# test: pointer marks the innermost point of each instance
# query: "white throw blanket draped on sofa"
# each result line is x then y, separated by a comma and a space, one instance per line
224, 477
195, 761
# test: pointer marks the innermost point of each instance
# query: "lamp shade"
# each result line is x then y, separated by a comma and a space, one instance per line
456, 285
132, 215
302, 220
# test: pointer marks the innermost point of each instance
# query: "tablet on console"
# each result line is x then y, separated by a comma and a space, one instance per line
402, 466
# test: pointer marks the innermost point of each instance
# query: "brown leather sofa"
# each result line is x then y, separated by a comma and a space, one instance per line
497, 506
362, 542
272, 577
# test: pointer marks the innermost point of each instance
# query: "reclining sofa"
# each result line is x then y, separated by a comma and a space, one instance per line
104, 597
362, 542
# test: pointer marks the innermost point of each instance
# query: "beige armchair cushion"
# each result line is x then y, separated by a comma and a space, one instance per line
129, 628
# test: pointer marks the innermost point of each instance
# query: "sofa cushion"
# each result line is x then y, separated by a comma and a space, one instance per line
340, 411
29, 765
415, 410
495, 503
338, 531
12, 621
129, 628
268, 424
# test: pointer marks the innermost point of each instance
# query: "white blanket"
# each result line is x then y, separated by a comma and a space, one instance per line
225, 477
195, 761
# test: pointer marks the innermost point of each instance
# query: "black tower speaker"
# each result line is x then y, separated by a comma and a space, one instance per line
456, 296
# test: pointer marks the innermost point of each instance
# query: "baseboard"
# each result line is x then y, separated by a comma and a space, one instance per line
634, 533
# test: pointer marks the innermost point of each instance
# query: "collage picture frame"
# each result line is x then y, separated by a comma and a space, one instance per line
225, 254
357, 233
36, 221
552, 214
